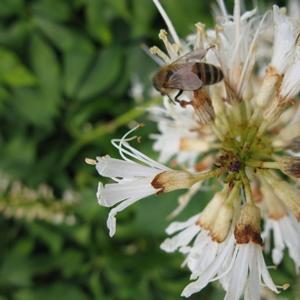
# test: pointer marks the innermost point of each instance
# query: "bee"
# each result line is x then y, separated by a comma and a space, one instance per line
187, 73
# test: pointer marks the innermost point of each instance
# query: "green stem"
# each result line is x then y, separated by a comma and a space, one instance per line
112, 126
263, 164
207, 175
247, 187
234, 193
97, 132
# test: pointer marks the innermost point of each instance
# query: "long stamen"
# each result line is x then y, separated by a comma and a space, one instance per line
167, 21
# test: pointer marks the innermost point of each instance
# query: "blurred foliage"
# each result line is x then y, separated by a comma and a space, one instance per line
66, 68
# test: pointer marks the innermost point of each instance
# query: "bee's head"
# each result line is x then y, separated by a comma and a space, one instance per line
159, 81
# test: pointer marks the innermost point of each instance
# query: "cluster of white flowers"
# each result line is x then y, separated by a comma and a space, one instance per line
244, 132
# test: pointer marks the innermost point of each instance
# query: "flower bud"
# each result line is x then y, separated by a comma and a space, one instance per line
172, 180
290, 166
294, 145
268, 87
210, 213
247, 228
274, 206
286, 192
222, 223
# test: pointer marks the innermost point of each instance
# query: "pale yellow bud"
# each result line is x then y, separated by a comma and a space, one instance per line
268, 88
286, 192
222, 223
290, 166
274, 206
172, 180
247, 228
209, 214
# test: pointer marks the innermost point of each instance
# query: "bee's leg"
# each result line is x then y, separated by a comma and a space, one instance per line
170, 99
178, 94
183, 103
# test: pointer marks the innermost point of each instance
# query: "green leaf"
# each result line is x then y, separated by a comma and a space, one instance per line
13, 72
35, 107
61, 290
4, 94
70, 262
45, 65
75, 67
14, 157
97, 22
15, 34
143, 13
105, 71
16, 268
184, 14
120, 8
11, 7
49, 236
63, 37
54, 9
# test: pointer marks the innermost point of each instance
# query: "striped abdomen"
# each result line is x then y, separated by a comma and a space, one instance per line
209, 74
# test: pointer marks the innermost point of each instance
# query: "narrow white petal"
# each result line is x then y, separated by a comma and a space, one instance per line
239, 273
290, 86
112, 167
181, 239
113, 193
111, 220
176, 226
252, 291
209, 273
277, 252
265, 273
284, 40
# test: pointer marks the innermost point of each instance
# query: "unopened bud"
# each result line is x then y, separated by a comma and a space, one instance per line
274, 206
269, 87
286, 192
294, 145
209, 214
172, 180
247, 228
290, 166
290, 132
222, 223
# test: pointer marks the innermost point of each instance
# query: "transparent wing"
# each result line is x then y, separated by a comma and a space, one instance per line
193, 56
184, 79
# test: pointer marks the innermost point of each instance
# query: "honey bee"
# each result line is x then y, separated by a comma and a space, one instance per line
187, 73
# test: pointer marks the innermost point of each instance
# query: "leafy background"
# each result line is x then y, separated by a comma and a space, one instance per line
66, 71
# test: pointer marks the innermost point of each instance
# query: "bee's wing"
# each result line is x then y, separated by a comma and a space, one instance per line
193, 56
184, 79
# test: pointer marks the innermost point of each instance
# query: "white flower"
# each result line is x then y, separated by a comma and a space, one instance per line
136, 180
248, 273
204, 257
189, 229
206, 260
286, 232
176, 126
284, 40
132, 183
290, 86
